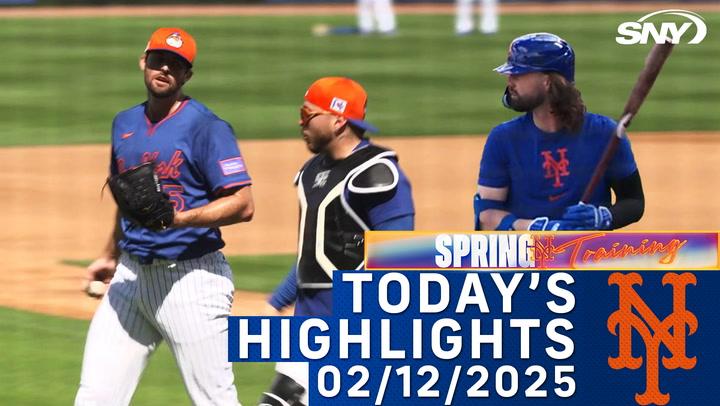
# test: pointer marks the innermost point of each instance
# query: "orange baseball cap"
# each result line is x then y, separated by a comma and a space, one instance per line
175, 40
343, 97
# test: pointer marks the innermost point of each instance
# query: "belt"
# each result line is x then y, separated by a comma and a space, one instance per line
159, 261
147, 260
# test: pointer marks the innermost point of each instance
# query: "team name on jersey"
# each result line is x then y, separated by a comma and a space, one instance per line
171, 169
164, 169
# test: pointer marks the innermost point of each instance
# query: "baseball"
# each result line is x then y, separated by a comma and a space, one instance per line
96, 288
320, 30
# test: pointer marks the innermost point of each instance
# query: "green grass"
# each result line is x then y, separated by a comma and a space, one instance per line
41, 358
260, 273
63, 80
256, 273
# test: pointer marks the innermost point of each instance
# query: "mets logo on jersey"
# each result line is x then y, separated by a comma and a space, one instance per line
555, 168
670, 332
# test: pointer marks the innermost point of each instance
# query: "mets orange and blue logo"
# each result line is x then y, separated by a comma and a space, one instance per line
556, 168
634, 314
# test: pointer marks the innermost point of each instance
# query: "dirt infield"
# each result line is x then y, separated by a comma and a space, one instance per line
334, 9
46, 219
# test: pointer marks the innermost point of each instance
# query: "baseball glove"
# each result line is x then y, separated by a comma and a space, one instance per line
140, 199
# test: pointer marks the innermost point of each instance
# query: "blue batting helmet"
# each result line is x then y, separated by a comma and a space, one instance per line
539, 52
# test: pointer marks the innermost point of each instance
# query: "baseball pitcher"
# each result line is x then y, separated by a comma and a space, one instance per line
177, 175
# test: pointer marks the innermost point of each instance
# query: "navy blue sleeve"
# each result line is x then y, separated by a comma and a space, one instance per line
286, 293
221, 162
494, 165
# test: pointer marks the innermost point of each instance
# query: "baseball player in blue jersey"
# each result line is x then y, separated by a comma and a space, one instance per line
348, 187
535, 167
170, 285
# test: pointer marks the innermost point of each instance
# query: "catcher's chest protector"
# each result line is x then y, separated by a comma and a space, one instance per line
331, 232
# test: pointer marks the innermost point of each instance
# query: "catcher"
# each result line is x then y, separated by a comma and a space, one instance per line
350, 180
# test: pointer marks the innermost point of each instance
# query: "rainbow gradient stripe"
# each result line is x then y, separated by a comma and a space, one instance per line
414, 250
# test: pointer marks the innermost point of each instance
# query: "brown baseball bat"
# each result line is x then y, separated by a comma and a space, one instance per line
653, 64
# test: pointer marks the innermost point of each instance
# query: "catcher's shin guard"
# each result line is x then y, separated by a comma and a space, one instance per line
284, 391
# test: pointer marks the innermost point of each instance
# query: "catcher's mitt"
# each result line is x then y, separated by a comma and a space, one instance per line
140, 199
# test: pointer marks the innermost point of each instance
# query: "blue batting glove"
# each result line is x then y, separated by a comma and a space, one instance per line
591, 217
545, 224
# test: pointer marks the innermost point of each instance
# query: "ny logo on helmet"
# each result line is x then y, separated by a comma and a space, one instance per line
555, 168
640, 31
653, 332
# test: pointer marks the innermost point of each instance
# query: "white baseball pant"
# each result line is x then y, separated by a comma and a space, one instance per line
184, 303
376, 15
488, 16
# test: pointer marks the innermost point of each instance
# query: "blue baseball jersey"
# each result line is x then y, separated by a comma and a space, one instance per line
196, 156
547, 172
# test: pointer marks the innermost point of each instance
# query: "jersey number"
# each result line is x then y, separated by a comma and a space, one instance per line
174, 193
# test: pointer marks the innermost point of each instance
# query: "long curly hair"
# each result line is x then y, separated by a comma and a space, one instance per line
566, 103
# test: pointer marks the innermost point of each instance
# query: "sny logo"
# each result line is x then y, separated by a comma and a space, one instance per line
555, 169
639, 32
623, 321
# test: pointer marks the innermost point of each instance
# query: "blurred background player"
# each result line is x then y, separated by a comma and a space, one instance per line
171, 285
373, 16
351, 185
534, 168
487, 11
376, 16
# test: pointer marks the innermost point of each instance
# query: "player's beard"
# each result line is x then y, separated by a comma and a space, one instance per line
170, 91
526, 103
316, 143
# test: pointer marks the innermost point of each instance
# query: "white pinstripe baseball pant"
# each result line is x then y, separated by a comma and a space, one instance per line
184, 303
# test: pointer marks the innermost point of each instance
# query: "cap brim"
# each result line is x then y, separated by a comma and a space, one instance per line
364, 125
510, 69
170, 50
